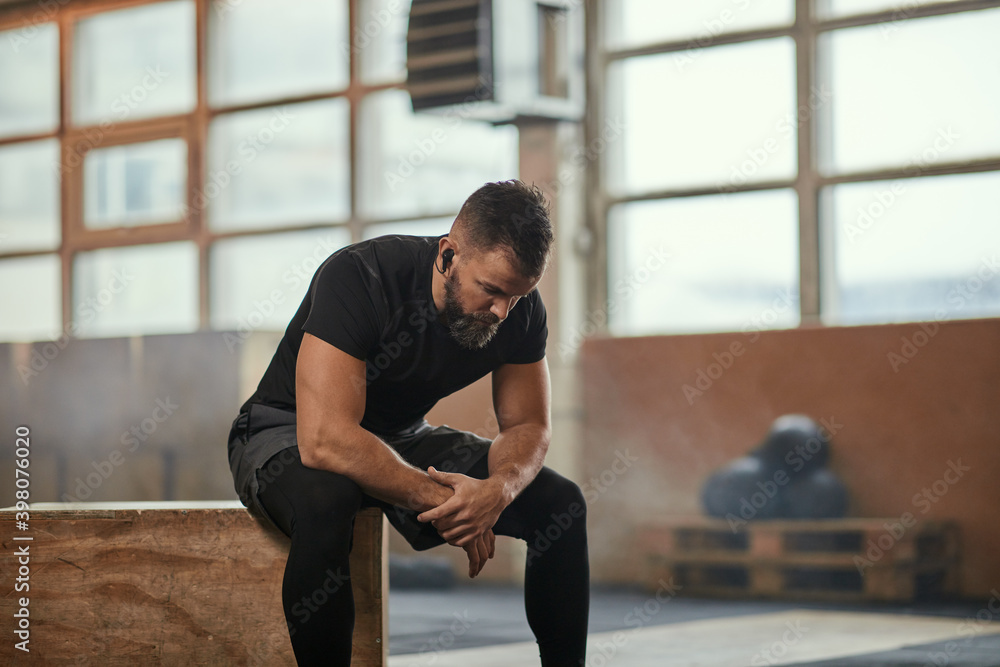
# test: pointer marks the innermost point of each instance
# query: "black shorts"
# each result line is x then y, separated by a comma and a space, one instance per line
263, 440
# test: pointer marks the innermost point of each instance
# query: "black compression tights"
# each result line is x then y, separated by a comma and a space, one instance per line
316, 509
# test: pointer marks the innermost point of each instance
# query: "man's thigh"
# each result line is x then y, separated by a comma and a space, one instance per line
445, 448
293, 495
258, 439
549, 498
264, 445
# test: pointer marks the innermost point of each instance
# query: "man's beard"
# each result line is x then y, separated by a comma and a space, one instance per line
470, 330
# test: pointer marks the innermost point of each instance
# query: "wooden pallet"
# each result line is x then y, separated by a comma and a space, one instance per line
837, 559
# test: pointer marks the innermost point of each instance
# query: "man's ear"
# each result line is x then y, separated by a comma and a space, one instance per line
446, 252
446, 243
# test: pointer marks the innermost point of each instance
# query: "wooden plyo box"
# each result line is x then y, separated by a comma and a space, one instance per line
171, 583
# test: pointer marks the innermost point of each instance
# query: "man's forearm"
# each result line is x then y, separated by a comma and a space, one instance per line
515, 458
374, 466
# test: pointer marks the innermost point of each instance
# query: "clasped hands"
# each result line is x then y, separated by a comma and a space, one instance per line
466, 519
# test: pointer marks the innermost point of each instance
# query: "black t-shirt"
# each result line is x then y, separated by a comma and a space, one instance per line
373, 300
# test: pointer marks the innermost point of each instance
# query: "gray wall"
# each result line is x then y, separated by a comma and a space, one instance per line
142, 418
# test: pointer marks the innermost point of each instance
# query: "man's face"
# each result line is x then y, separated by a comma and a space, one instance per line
477, 302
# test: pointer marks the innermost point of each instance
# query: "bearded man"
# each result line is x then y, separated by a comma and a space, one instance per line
388, 327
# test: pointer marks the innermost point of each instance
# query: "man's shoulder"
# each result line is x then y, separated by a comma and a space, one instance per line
384, 256
533, 303
394, 247
527, 320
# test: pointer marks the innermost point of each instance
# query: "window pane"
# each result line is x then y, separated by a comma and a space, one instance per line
836, 8
912, 249
704, 264
278, 166
723, 120
914, 92
379, 40
135, 184
266, 49
29, 72
429, 227
135, 63
33, 310
148, 289
258, 282
640, 22
418, 164
29, 196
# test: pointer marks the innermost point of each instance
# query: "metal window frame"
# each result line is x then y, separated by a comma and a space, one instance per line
815, 265
193, 127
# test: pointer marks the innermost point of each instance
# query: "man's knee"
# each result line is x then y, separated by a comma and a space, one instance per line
557, 502
562, 493
570, 503
558, 517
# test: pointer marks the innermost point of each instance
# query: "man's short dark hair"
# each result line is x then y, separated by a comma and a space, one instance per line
511, 216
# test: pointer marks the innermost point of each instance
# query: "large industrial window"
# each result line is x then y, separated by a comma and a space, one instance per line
790, 162
186, 164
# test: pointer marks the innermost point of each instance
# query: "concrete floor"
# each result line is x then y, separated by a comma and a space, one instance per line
485, 627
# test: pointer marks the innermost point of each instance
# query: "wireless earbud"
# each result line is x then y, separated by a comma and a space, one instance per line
446, 258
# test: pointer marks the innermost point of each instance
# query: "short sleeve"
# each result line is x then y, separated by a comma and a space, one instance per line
347, 306
531, 347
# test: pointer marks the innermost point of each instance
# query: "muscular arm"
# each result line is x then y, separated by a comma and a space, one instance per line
521, 401
330, 403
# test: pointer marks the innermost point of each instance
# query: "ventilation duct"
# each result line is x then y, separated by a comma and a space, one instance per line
496, 60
